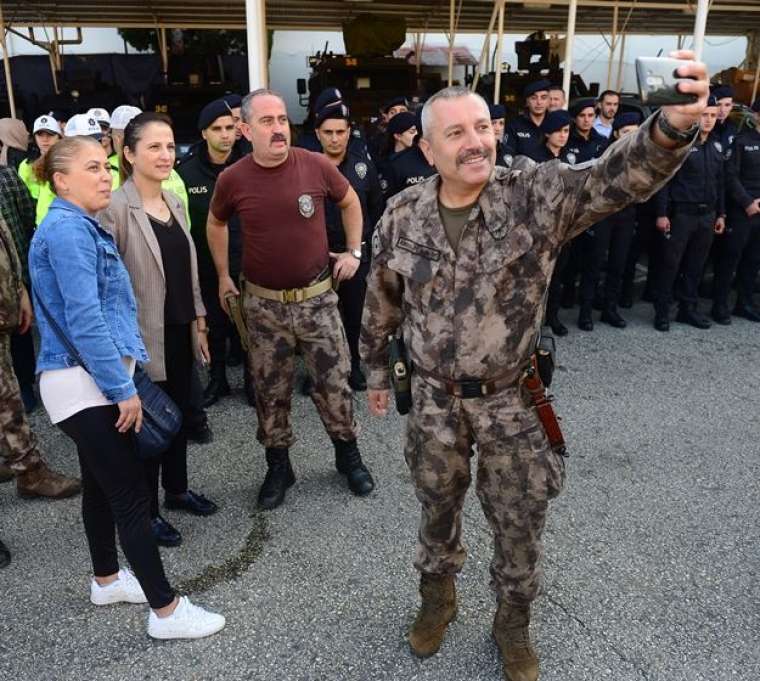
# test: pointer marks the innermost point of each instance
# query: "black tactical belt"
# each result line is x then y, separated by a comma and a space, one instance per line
467, 389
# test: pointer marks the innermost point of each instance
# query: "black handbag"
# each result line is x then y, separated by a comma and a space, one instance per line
162, 418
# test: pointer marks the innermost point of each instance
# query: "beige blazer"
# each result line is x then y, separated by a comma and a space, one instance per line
126, 220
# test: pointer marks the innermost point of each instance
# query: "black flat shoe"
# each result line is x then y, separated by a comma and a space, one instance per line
200, 432
5, 555
191, 502
164, 533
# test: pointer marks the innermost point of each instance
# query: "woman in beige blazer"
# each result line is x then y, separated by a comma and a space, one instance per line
149, 227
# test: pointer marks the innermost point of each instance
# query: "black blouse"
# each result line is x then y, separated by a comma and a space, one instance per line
179, 306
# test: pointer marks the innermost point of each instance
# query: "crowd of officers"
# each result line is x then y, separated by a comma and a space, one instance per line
706, 218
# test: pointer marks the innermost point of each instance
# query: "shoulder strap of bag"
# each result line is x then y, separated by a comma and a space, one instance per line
59, 332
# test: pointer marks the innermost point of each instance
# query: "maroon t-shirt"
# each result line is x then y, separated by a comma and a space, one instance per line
282, 215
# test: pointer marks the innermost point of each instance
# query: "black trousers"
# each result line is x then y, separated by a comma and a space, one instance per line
606, 243
220, 327
683, 257
114, 494
646, 242
737, 254
178, 355
22, 352
554, 295
351, 304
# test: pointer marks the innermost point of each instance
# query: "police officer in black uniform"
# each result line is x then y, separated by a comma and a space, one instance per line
498, 116
332, 129
388, 110
690, 210
523, 133
400, 136
725, 130
408, 168
199, 172
738, 252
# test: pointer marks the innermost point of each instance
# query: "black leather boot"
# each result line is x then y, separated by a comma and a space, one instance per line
721, 314
5, 555
279, 477
585, 321
217, 387
611, 316
553, 320
349, 462
662, 319
690, 315
357, 379
747, 310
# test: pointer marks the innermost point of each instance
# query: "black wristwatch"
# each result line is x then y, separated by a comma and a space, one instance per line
682, 136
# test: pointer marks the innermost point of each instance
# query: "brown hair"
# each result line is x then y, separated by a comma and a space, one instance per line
59, 156
133, 134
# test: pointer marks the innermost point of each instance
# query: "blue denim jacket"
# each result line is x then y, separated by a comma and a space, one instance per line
78, 274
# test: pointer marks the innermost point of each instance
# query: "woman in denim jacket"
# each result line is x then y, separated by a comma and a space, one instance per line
79, 278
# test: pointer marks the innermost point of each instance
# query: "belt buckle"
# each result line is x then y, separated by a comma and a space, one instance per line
292, 295
468, 389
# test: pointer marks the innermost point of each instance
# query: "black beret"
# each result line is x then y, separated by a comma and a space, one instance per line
396, 101
401, 122
722, 91
338, 111
497, 111
536, 86
581, 104
233, 101
756, 105
212, 111
625, 119
712, 100
555, 120
328, 96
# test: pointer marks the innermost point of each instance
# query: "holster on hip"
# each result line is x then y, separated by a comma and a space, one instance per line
401, 374
542, 402
235, 309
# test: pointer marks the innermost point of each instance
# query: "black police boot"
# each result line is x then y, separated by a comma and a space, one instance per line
585, 322
199, 430
164, 532
662, 319
279, 477
217, 386
357, 380
250, 392
688, 314
349, 462
553, 320
306, 385
610, 316
5, 555
626, 296
721, 314
747, 310
567, 299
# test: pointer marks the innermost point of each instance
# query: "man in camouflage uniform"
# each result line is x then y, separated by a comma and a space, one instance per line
461, 264
17, 443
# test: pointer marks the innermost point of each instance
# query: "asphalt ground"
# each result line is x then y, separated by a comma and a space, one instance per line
652, 552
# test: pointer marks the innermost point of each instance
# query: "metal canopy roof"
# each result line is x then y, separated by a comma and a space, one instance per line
671, 17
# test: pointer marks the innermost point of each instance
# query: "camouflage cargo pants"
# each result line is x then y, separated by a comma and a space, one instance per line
517, 474
17, 443
276, 330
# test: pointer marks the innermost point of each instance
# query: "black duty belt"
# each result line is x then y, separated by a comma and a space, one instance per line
696, 208
466, 389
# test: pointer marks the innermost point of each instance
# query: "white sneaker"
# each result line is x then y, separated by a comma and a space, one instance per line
187, 621
126, 589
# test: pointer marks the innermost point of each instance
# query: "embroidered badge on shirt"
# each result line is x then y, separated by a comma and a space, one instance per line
571, 158
306, 205
361, 170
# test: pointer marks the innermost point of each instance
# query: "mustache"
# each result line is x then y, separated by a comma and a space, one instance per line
278, 137
471, 155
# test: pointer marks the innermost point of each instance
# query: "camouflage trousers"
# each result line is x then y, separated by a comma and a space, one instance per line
276, 331
17, 442
517, 473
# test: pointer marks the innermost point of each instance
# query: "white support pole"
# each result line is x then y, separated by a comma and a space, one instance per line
613, 44
700, 24
255, 20
757, 76
452, 13
569, 40
499, 43
619, 80
7, 65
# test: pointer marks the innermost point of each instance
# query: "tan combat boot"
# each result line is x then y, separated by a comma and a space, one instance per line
438, 608
40, 481
510, 629
6, 473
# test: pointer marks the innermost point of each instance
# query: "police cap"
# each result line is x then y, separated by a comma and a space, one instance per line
555, 120
626, 119
333, 111
722, 91
497, 111
328, 96
401, 122
212, 111
536, 86
396, 101
233, 101
581, 104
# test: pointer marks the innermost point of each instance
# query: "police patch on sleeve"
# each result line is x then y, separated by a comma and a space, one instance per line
306, 205
718, 146
361, 170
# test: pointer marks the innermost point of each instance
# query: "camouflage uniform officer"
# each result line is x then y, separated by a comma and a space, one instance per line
461, 263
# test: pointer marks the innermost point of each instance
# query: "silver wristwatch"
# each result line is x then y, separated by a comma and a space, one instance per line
356, 252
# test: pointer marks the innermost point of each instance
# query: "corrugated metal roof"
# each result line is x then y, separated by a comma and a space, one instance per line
727, 17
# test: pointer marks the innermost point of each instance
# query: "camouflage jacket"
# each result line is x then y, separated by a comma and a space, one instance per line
10, 279
476, 315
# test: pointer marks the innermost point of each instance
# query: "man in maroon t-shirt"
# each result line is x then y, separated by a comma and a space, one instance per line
279, 193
